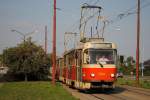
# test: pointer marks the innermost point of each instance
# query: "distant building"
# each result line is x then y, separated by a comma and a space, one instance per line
3, 70
147, 64
147, 67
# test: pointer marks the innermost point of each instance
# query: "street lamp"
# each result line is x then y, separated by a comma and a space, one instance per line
24, 35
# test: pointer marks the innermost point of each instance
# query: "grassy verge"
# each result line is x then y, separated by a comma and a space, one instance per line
33, 91
142, 83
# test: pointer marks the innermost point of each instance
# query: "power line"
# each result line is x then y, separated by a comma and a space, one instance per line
126, 13
96, 2
120, 16
77, 22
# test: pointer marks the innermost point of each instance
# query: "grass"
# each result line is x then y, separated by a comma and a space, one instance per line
33, 91
142, 83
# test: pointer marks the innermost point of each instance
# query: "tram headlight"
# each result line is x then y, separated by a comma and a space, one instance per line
92, 75
83, 75
112, 75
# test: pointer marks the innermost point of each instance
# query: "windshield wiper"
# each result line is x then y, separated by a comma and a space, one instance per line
101, 65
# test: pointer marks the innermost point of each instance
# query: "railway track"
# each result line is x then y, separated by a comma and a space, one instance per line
107, 97
108, 94
124, 95
120, 93
99, 98
140, 91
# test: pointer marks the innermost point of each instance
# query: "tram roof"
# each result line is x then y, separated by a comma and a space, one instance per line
93, 43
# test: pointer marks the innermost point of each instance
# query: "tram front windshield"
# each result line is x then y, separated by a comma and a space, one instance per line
95, 56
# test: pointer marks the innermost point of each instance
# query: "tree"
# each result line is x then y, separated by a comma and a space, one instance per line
1, 60
128, 65
27, 59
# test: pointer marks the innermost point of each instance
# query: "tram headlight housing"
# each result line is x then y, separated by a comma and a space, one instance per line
92, 75
83, 75
112, 75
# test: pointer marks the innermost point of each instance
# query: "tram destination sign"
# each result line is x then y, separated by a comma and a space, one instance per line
101, 45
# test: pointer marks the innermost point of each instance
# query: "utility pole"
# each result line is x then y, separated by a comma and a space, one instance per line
138, 42
54, 44
46, 39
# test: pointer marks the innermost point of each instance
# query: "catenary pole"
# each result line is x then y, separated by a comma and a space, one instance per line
138, 42
54, 44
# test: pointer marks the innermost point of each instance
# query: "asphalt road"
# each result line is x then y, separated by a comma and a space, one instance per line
119, 93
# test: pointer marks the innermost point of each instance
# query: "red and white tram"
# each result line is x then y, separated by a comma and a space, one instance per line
91, 65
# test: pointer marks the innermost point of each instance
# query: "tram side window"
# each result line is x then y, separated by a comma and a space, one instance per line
79, 58
64, 60
66, 63
86, 57
71, 59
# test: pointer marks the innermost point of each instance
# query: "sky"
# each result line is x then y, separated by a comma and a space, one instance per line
27, 16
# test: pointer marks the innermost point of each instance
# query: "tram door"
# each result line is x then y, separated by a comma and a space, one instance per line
78, 64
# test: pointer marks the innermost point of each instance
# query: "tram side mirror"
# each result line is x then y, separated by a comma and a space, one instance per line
121, 58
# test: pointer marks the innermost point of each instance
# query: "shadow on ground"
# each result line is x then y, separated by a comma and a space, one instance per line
117, 90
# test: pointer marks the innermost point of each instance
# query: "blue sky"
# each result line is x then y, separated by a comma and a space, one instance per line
29, 15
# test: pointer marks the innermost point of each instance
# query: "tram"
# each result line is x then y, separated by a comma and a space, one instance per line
91, 65
93, 62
